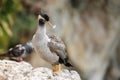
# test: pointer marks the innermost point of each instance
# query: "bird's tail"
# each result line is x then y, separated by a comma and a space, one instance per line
67, 63
3, 55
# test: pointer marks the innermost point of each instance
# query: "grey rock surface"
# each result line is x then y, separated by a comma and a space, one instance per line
10, 70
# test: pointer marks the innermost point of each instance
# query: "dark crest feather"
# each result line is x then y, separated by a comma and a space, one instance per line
45, 16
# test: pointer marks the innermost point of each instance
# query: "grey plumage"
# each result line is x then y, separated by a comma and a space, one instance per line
50, 48
56, 45
40, 44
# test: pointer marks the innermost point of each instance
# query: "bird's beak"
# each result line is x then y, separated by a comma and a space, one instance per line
50, 24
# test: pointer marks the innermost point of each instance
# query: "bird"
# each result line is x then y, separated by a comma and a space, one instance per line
50, 47
18, 52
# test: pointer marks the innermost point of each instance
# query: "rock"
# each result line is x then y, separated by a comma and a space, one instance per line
11, 70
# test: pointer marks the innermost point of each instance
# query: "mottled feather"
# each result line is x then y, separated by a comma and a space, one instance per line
56, 45
19, 51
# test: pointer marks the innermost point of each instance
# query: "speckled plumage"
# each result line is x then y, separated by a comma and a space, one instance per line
18, 52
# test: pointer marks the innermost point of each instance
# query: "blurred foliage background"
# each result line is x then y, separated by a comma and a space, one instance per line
16, 25
90, 29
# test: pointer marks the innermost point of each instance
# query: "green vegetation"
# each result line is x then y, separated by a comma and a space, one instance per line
16, 26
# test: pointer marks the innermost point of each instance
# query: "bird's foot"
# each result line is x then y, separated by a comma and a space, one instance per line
19, 60
56, 69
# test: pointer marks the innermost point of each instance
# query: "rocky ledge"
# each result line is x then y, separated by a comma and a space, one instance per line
11, 70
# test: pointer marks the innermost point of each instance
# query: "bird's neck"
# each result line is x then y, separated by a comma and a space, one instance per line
29, 48
41, 31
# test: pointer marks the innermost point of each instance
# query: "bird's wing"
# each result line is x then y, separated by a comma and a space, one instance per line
16, 51
57, 46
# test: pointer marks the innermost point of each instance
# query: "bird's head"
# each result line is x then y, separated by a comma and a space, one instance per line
43, 19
